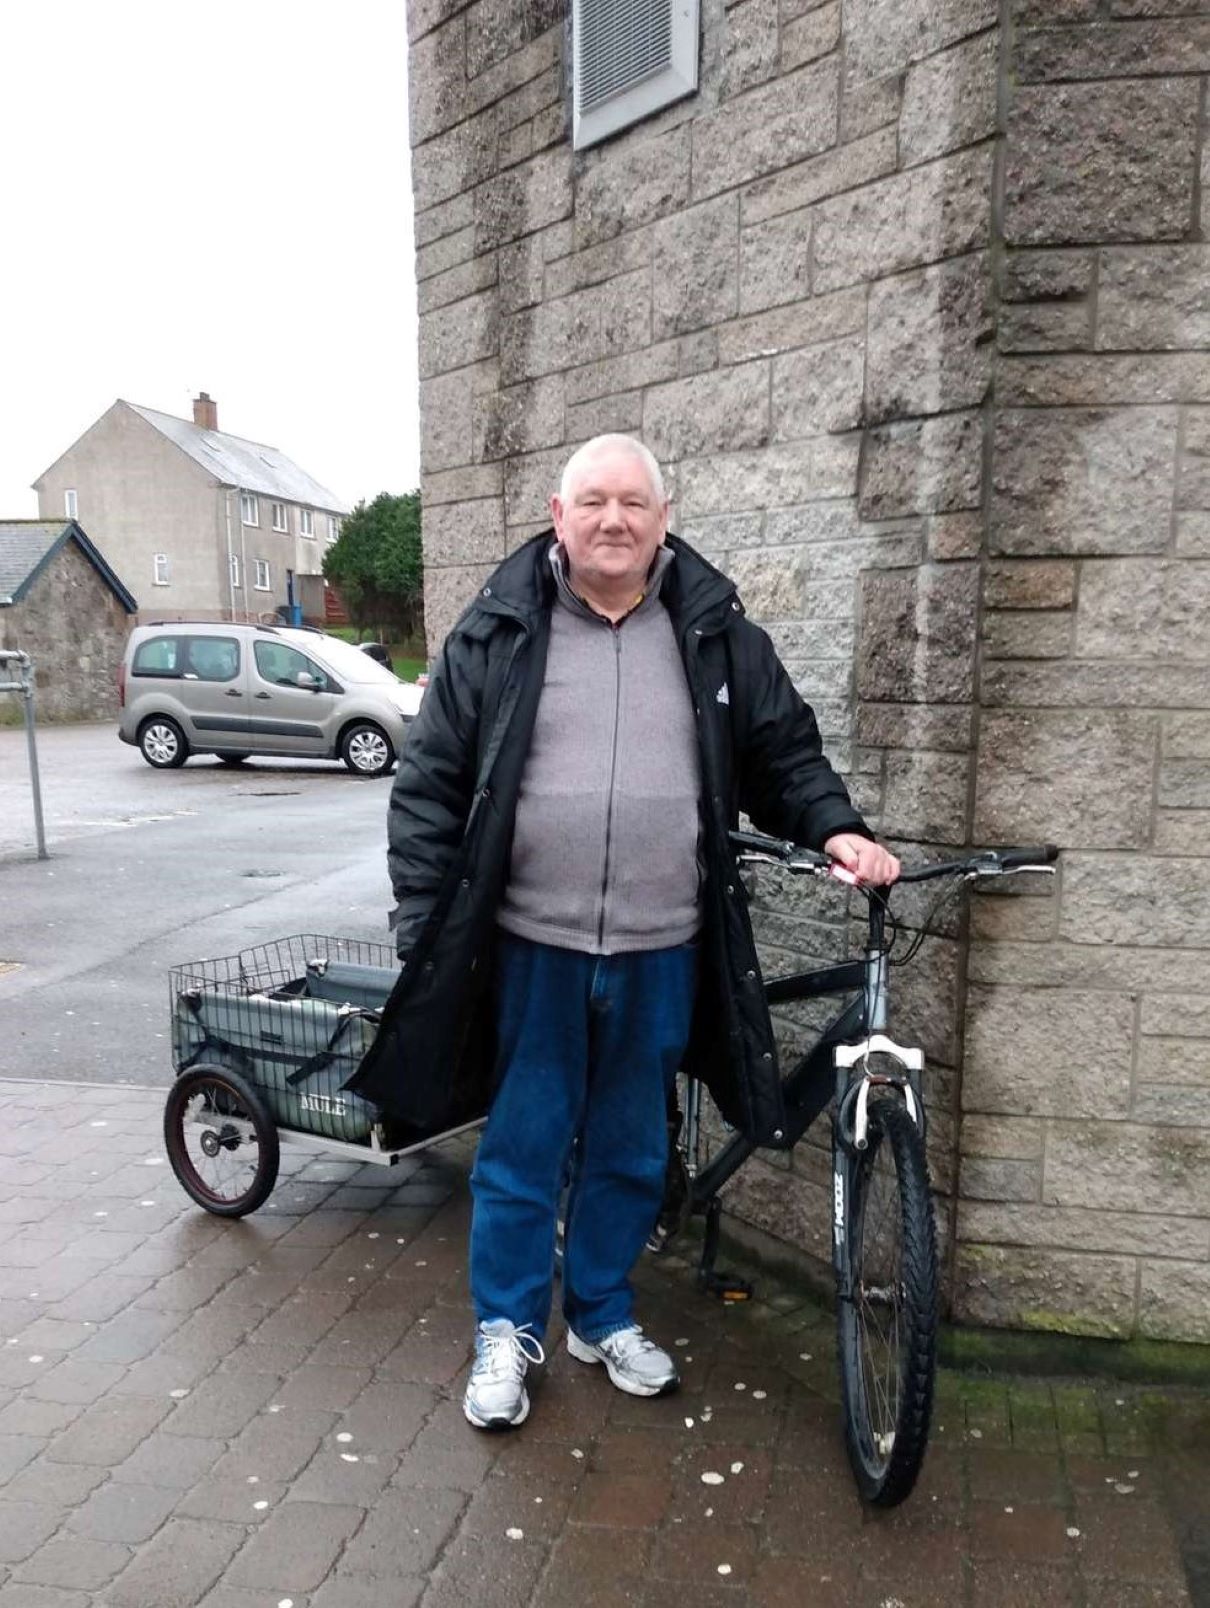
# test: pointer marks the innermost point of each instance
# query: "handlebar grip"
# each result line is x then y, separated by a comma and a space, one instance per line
1043, 854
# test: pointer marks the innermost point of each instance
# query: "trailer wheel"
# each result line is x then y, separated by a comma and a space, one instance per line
220, 1140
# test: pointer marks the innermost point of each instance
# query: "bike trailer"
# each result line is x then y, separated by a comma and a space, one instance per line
294, 1019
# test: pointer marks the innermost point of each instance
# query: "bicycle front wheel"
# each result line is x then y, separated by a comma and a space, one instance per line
887, 1327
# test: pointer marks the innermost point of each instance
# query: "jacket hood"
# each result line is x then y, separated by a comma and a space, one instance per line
524, 584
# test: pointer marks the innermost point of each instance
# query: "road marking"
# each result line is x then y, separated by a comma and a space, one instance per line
124, 820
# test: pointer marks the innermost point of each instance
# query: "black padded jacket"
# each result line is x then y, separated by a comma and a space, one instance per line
450, 829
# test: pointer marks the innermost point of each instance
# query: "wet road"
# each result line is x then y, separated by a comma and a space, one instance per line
150, 868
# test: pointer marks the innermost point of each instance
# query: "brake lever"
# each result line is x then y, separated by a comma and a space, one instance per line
802, 867
757, 857
1008, 871
810, 868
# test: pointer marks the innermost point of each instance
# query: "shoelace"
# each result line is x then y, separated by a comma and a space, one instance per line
503, 1352
630, 1342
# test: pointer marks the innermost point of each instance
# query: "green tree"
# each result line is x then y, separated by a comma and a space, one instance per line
377, 563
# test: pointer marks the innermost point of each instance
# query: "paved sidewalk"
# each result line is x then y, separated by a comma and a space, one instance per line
266, 1414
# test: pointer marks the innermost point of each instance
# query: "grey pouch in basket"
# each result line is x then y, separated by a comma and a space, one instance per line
295, 1052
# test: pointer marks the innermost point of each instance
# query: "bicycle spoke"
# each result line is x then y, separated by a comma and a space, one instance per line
228, 1172
878, 1297
880, 1384
870, 1374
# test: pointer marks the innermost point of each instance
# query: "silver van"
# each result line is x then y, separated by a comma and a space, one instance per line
236, 690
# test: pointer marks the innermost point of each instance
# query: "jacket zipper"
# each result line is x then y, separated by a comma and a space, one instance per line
613, 769
712, 804
495, 739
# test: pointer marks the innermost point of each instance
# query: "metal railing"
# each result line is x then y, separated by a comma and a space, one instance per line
15, 660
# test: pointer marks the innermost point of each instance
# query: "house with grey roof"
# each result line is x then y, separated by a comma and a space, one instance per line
62, 603
202, 524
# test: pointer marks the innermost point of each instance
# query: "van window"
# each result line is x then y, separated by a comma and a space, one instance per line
214, 658
281, 665
159, 656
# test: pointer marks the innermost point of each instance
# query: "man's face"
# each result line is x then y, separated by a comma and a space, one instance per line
612, 522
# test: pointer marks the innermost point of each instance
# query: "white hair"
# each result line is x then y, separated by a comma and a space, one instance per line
612, 443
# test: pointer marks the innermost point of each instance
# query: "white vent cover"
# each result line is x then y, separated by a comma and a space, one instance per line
631, 58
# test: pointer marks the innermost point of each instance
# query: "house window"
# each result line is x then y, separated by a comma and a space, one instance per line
71, 505
306, 522
280, 522
249, 509
262, 575
235, 574
631, 57
159, 565
333, 527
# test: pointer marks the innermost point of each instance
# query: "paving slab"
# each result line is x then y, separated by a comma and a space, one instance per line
206, 1414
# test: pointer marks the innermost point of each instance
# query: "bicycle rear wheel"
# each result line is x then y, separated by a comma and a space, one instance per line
887, 1327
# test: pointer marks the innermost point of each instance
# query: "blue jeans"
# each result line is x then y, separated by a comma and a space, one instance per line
588, 1047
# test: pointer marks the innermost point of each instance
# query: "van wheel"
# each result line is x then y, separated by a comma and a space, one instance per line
366, 750
162, 743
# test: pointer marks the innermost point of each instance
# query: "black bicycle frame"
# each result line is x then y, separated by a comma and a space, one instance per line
812, 1081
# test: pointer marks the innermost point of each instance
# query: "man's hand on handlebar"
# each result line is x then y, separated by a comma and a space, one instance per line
867, 862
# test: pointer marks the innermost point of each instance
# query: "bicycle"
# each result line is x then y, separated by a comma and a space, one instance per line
884, 1254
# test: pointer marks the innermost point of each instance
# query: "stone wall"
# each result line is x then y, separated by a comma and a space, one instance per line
74, 629
910, 301
1086, 1132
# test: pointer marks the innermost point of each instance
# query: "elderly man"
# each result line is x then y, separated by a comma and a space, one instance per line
571, 926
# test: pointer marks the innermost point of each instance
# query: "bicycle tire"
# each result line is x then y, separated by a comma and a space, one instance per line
213, 1093
887, 1427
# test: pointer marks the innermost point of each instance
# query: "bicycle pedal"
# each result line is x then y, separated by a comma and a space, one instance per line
728, 1287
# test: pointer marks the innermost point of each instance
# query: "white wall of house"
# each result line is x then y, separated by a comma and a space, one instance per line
138, 495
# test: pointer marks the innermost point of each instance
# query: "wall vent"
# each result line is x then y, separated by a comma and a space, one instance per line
631, 58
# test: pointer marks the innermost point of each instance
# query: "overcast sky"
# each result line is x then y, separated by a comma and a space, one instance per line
209, 196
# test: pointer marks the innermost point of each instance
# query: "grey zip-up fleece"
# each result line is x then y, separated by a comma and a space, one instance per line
605, 846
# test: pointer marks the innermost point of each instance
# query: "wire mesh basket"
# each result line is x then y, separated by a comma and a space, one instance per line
294, 1018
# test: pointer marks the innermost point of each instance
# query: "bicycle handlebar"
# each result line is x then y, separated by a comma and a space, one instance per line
988, 863
984, 863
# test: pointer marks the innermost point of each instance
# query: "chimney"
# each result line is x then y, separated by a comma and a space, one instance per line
205, 412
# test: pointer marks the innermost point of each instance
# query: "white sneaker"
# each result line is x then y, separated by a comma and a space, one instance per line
634, 1363
496, 1397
